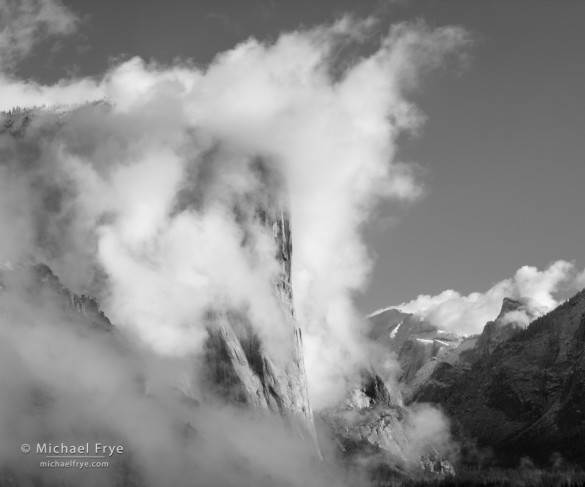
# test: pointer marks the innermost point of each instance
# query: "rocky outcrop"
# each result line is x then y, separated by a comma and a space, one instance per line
85, 306
524, 397
370, 425
370, 390
40, 284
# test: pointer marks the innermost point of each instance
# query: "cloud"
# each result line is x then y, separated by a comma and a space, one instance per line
150, 200
428, 431
580, 280
18, 93
468, 314
26, 23
144, 187
64, 380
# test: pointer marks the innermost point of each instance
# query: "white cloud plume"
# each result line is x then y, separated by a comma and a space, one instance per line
468, 314
333, 136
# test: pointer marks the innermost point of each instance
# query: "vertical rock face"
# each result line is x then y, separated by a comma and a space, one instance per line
240, 367
502, 328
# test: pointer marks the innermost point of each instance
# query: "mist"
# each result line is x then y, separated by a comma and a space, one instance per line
65, 380
140, 194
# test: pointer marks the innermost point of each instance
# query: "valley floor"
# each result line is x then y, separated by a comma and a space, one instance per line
496, 477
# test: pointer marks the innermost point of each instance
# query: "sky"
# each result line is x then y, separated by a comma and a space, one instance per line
500, 155
430, 156
167, 201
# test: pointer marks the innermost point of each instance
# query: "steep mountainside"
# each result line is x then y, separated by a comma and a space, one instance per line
391, 328
416, 341
524, 395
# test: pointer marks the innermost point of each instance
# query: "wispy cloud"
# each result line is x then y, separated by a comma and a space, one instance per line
26, 23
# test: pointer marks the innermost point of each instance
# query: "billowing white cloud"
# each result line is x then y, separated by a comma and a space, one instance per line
330, 130
144, 200
468, 314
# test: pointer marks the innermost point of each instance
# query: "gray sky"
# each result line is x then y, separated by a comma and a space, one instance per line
502, 150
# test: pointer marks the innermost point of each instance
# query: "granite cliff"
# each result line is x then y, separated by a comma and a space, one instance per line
238, 367
241, 369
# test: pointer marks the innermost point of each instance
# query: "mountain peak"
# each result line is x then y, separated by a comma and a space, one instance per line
514, 316
509, 305
391, 312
